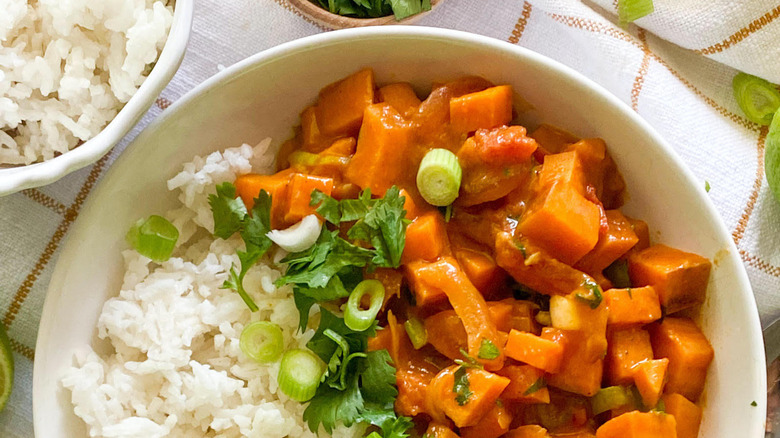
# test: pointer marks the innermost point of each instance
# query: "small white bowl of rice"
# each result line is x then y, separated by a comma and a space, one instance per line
76, 76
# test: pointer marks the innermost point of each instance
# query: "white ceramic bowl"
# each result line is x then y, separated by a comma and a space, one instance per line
13, 179
263, 95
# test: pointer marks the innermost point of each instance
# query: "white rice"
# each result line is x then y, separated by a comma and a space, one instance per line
68, 66
177, 369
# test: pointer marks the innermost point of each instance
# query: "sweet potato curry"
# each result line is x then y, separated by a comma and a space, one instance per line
516, 298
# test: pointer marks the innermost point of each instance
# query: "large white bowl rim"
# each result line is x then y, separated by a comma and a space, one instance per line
735, 406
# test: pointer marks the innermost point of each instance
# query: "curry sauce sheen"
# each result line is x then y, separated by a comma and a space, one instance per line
538, 309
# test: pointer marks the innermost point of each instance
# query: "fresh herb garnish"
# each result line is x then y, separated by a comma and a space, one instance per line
617, 273
488, 350
230, 216
519, 245
592, 295
753, 403
707, 186
392, 425
333, 266
461, 386
228, 211
358, 385
375, 8
536, 386
468, 361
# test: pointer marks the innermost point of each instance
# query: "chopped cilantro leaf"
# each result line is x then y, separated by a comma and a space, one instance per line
617, 273
753, 403
228, 211
707, 186
378, 378
488, 350
338, 366
325, 347
467, 361
392, 425
539, 384
235, 282
328, 207
303, 303
592, 294
316, 266
330, 405
461, 386
230, 216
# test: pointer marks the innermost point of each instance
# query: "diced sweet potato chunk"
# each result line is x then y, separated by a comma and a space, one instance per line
536, 269
424, 293
277, 185
464, 408
565, 224
680, 278
581, 368
486, 109
426, 238
312, 139
301, 188
685, 413
481, 269
536, 351
340, 107
566, 168
438, 430
627, 348
642, 232
619, 238
528, 431
649, 378
688, 351
637, 424
492, 425
382, 149
525, 384
635, 305
552, 139
401, 96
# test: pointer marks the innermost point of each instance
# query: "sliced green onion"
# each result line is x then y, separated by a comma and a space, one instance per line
154, 237
772, 156
758, 98
630, 10
543, 318
438, 178
612, 397
299, 374
262, 341
307, 159
417, 333
357, 318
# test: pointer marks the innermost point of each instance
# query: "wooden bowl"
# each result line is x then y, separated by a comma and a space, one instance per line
328, 20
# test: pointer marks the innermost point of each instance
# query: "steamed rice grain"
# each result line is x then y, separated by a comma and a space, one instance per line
177, 369
68, 66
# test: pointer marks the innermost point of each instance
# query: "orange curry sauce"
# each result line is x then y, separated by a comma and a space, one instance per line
538, 283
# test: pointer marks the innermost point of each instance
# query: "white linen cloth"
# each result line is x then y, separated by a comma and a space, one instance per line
675, 71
